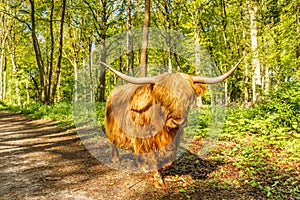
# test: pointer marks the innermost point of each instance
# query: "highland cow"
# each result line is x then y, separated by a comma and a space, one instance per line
147, 116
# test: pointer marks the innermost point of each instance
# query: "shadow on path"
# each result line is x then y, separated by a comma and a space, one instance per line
37, 159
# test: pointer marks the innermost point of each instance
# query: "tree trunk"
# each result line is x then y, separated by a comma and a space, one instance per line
246, 74
3, 38
15, 79
48, 94
60, 52
267, 80
102, 38
256, 77
198, 61
38, 55
4, 80
244, 46
27, 91
168, 36
58, 90
102, 70
2, 59
145, 37
130, 54
226, 48
197, 48
170, 68
11, 47
75, 66
91, 84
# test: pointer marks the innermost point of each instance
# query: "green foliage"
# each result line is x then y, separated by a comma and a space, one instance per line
61, 111
282, 107
2, 105
274, 114
219, 27
266, 137
100, 112
198, 121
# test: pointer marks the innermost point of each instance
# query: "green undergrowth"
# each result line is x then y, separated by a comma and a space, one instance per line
264, 143
63, 112
273, 122
258, 146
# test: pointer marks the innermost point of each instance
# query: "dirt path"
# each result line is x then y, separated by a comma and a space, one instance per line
39, 160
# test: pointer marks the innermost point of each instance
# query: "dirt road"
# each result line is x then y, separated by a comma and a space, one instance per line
38, 160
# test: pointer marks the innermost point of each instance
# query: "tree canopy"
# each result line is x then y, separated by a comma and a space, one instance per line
45, 43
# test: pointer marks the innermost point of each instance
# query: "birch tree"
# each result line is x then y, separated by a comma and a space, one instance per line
3, 40
256, 77
12, 54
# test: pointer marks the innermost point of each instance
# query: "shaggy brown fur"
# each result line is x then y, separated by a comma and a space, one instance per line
149, 119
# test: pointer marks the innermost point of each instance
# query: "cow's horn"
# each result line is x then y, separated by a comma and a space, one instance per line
218, 79
130, 79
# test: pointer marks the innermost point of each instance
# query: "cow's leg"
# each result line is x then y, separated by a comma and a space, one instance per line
158, 180
171, 151
140, 162
148, 162
115, 155
145, 162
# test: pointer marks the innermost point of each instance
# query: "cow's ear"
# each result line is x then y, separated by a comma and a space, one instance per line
199, 88
142, 98
174, 123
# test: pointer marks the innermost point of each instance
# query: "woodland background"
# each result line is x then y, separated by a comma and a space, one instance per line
44, 43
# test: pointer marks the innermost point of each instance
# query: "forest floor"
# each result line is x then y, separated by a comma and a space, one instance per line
39, 160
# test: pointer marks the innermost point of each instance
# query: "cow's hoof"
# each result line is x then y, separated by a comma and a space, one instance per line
159, 184
158, 180
115, 160
166, 166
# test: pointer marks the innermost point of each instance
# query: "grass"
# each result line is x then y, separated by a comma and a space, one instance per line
61, 112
